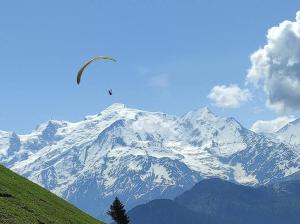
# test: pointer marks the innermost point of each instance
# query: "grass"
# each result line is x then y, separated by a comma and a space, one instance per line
23, 202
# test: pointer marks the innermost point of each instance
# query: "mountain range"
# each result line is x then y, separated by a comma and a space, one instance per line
140, 156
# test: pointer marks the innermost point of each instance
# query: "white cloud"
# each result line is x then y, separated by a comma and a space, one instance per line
271, 126
228, 96
161, 80
276, 67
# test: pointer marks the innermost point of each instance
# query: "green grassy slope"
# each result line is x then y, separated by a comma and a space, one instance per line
24, 202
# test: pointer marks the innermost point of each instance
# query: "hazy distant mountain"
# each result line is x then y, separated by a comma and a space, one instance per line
164, 211
216, 201
139, 156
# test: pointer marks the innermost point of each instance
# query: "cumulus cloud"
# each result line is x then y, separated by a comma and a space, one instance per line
161, 80
271, 126
276, 67
228, 96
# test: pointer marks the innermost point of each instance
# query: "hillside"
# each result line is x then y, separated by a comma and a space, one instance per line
217, 201
22, 201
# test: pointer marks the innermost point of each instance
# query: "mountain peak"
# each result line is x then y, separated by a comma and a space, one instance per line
113, 108
296, 122
116, 106
205, 111
200, 114
50, 124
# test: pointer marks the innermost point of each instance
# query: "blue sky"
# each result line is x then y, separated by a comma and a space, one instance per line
170, 55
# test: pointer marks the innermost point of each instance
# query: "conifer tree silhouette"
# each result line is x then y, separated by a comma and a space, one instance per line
118, 213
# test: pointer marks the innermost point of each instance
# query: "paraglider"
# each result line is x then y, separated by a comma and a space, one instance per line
80, 72
110, 92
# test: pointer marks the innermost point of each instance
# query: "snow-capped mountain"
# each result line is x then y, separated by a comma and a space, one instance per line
139, 156
290, 134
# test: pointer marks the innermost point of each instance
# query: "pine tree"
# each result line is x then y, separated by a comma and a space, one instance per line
118, 213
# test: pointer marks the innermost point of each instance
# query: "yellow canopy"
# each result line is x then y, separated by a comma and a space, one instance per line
80, 72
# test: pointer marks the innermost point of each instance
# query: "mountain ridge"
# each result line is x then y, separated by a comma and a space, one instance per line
217, 201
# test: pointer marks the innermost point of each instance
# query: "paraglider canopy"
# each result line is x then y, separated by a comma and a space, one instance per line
80, 72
